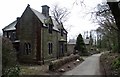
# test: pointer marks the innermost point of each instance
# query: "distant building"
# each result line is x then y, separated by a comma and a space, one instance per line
36, 36
71, 45
87, 43
72, 42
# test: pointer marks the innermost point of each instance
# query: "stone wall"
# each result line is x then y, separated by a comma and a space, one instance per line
51, 38
27, 34
70, 48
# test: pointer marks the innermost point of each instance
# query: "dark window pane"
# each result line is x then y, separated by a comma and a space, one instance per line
50, 48
50, 27
61, 32
27, 48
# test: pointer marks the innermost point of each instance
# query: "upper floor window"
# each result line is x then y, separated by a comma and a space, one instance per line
61, 32
62, 48
50, 47
50, 28
5, 34
9, 36
14, 35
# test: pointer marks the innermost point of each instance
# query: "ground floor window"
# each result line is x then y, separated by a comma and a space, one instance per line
50, 47
27, 48
65, 47
61, 48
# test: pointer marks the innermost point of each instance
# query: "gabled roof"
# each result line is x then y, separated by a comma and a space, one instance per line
10, 26
40, 16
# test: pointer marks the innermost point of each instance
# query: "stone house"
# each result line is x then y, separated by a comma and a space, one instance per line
36, 36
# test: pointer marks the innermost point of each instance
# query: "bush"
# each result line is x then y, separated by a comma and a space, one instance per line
116, 63
9, 59
115, 48
12, 71
57, 63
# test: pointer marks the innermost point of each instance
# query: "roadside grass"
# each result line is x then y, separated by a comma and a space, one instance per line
44, 69
33, 70
110, 63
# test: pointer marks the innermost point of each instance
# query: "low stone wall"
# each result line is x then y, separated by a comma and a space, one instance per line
58, 63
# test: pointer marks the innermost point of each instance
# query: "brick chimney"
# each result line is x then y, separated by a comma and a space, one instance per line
45, 10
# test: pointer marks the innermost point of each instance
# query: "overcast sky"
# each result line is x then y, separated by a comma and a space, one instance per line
11, 9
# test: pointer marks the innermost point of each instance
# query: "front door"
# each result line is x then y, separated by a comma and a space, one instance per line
61, 49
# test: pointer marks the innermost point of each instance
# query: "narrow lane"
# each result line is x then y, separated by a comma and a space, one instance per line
89, 67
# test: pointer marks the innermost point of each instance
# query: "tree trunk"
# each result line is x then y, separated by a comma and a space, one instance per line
116, 13
118, 41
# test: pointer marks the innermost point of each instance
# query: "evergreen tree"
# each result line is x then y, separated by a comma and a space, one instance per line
80, 45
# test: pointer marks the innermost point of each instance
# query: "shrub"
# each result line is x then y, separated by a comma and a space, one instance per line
116, 63
12, 71
9, 63
115, 48
57, 63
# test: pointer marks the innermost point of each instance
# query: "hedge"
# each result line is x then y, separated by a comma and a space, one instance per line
59, 62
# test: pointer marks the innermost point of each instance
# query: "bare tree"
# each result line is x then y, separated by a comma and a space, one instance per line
108, 29
81, 2
60, 14
107, 15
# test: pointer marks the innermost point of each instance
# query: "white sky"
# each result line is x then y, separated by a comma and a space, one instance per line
11, 9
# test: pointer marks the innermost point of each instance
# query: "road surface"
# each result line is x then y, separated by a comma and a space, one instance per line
89, 67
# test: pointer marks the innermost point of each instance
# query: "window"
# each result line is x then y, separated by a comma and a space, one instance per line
27, 48
50, 27
61, 32
9, 36
50, 48
65, 47
14, 35
62, 48
5, 34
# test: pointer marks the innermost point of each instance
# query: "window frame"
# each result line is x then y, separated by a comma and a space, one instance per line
27, 48
14, 35
50, 48
50, 28
61, 31
5, 34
